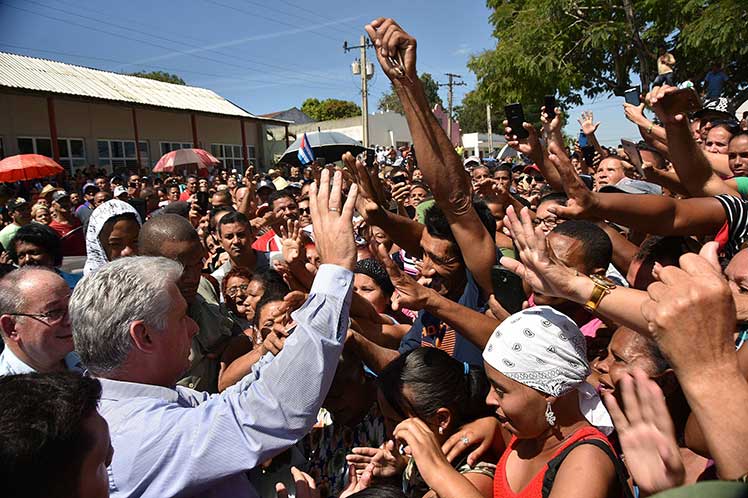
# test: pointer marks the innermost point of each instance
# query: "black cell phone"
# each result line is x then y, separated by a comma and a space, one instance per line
370, 157
203, 200
516, 116
399, 179
550, 106
507, 289
632, 96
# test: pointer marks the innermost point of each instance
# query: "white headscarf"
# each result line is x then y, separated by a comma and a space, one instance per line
544, 349
95, 254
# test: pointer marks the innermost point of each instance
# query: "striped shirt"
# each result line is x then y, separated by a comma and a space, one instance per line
736, 210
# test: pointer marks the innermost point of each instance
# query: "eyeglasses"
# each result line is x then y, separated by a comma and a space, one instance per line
235, 290
548, 222
537, 178
49, 317
305, 211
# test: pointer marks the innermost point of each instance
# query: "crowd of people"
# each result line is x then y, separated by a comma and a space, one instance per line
571, 325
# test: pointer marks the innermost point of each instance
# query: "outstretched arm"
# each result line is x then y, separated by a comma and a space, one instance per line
653, 214
441, 166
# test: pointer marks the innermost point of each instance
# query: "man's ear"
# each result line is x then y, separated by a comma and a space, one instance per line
142, 336
8, 326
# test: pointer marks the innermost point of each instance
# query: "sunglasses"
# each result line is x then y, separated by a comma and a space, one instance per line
305, 211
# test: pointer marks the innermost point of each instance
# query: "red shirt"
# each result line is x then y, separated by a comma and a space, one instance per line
75, 243
185, 196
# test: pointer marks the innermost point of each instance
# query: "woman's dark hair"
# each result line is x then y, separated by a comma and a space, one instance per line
41, 236
375, 270
236, 271
272, 282
434, 380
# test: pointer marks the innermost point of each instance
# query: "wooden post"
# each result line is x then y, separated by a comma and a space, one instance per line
288, 144
53, 129
137, 139
194, 131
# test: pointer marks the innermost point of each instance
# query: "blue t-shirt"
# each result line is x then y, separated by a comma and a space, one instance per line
429, 331
714, 84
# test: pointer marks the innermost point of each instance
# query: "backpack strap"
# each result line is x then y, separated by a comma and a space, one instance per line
555, 463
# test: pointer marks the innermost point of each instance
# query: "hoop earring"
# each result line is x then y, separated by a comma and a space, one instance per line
550, 417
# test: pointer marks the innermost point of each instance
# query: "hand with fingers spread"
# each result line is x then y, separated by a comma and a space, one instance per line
292, 244
587, 122
491, 189
646, 433
384, 462
332, 220
395, 49
410, 294
372, 199
480, 434
529, 146
539, 268
582, 202
304, 484
691, 314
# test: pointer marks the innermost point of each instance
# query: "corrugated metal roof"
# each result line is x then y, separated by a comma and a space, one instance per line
30, 73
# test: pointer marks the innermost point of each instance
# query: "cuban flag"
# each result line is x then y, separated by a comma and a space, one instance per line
305, 154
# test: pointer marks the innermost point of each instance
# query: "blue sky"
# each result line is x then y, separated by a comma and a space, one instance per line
264, 56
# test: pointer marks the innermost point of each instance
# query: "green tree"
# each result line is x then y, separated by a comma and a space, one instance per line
471, 113
160, 76
325, 110
575, 48
390, 102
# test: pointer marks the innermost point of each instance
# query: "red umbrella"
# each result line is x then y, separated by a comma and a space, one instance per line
183, 158
28, 167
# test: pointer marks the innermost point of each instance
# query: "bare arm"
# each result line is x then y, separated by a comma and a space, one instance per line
374, 356
691, 165
441, 167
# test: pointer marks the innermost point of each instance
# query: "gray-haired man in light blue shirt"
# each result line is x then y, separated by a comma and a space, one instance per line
132, 332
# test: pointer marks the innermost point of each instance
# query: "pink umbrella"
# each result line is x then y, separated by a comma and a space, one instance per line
27, 167
185, 158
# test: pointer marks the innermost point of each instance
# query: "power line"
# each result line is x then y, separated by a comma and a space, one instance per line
296, 14
171, 40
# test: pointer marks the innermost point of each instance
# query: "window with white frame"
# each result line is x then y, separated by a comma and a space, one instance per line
119, 154
72, 150
231, 155
167, 147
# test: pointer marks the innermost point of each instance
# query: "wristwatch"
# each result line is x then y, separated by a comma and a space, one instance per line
603, 286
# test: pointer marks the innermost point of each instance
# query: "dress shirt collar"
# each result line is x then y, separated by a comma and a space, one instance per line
116, 390
10, 364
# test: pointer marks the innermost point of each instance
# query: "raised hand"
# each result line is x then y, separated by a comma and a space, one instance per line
587, 122
356, 482
371, 196
582, 202
655, 96
410, 294
691, 315
396, 49
646, 433
540, 269
635, 113
551, 126
529, 146
333, 227
292, 244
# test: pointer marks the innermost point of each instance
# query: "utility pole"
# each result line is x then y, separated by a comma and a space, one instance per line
450, 85
490, 131
367, 71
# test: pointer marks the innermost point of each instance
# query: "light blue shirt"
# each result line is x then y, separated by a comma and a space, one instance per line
179, 442
10, 364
